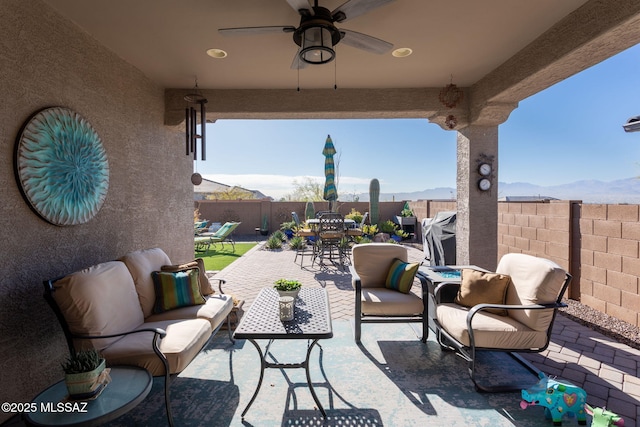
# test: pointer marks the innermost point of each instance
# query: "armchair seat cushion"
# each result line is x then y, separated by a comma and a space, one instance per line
388, 302
489, 330
183, 342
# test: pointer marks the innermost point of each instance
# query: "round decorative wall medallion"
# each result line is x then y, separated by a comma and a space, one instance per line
61, 166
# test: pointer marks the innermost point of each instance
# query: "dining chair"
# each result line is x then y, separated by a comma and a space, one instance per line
331, 232
309, 237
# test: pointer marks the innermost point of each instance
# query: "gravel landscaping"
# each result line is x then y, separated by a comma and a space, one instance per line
609, 326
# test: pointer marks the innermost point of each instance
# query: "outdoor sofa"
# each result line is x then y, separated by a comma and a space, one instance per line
114, 308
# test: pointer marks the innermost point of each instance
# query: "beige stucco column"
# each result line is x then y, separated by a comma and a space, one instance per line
477, 218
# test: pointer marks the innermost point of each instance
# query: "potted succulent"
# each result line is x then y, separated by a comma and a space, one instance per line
400, 235
288, 228
286, 287
83, 371
406, 216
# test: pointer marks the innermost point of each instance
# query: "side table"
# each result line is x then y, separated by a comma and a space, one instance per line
128, 387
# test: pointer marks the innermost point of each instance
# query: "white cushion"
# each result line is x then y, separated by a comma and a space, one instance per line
141, 264
373, 260
182, 343
389, 302
489, 330
99, 300
533, 281
215, 310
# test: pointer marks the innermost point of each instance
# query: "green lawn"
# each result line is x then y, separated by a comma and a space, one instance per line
217, 259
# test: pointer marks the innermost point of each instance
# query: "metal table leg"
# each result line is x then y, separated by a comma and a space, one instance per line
264, 365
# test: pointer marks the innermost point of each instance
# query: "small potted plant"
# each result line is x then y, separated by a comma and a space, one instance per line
288, 228
83, 371
406, 216
286, 287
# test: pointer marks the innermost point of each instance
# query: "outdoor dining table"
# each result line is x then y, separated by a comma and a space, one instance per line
315, 222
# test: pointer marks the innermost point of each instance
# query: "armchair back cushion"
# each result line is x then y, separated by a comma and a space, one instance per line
372, 261
533, 281
141, 264
107, 292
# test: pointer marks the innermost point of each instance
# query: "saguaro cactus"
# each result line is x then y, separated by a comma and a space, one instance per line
309, 210
374, 198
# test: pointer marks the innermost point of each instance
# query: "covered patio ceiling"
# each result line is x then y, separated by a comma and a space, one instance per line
499, 51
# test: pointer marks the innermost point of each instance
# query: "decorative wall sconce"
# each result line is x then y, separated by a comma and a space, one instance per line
191, 121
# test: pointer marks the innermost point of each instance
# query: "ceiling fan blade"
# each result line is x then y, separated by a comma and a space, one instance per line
365, 42
256, 30
354, 8
302, 7
297, 63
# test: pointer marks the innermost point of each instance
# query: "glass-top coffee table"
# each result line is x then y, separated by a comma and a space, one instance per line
128, 387
312, 321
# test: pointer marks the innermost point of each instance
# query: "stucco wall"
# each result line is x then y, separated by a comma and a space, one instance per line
47, 61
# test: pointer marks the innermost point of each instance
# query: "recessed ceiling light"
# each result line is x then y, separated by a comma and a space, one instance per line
217, 53
402, 52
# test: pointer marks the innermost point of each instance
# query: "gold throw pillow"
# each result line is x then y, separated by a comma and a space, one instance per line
478, 287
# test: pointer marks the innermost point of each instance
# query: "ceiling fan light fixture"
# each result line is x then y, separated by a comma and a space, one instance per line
317, 46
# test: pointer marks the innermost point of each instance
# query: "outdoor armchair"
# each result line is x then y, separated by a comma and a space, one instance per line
376, 268
512, 310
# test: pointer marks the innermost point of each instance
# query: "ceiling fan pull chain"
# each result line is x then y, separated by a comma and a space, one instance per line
335, 74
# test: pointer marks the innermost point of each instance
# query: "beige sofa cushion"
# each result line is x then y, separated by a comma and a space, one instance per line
389, 302
105, 291
141, 264
533, 281
184, 339
490, 330
373, 260
215, 310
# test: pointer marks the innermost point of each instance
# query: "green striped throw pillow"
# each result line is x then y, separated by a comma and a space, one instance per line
400, 276
176, 289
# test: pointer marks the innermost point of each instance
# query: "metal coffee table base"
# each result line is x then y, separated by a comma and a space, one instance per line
264, 365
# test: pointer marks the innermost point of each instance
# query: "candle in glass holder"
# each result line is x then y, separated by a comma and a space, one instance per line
286, 308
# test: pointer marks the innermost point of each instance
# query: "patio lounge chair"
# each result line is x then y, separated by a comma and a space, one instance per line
377, 302
204, 241
512, 310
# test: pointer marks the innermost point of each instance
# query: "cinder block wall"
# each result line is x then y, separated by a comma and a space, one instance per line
609, 259
598, 244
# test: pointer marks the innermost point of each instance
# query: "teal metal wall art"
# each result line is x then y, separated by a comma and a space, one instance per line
61, 166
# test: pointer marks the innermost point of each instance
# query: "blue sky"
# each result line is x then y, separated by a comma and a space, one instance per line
569, 132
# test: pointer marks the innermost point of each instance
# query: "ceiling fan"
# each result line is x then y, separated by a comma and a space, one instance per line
317, 34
